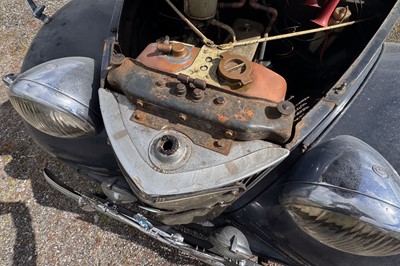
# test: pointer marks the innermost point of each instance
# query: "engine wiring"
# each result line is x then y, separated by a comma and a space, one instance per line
290, 35
230, 45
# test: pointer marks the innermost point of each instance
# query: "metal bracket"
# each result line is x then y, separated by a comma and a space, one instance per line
37, 11
9, 78
142, 224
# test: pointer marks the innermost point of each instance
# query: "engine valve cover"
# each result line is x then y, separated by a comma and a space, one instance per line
227, 69
204, 112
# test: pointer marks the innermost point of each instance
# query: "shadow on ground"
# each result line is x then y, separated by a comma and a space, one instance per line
25, 245
27, 162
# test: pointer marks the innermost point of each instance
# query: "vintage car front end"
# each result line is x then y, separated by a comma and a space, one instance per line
214, 119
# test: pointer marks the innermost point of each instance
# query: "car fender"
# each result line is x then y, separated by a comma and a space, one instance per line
77, 29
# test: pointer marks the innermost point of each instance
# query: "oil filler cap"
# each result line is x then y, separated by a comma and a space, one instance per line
235, 69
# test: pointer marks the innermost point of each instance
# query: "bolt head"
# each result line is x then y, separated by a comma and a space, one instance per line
117, 59
220, 100
229, 134
219, 143
180, 89
159, 83
198, 94
182, 117
139, 103
138, 116
286, 108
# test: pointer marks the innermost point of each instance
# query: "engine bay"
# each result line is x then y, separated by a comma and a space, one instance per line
209, 92
219, 43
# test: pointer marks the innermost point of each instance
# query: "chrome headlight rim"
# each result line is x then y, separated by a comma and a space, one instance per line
341, 200
64, 88
345, 178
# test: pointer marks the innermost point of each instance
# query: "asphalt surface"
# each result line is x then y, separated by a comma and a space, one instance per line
39, 226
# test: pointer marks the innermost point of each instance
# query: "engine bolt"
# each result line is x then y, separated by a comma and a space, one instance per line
235, 192
220, 100
180, 89
229, 134
117, 59
159, 83
198, 95
139, 103
138, 116
285, 107
182, 117
219, 143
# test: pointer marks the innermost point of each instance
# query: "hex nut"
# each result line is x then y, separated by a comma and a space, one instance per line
229, 134
117, 59
197, 95
182, 117
285, 107
220, 100
181, 89
139, 103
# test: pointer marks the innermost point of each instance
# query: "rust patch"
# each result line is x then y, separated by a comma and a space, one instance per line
161, 96
198, 137
241, 117
249, 112
222, 118
246, 116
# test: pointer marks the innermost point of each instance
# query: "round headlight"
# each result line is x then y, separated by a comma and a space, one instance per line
360, 225
51, 97
345, 195
50, 120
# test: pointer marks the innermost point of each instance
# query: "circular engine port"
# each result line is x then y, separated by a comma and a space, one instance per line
170, 150
168, 145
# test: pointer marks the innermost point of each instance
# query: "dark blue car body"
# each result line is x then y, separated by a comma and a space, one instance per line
364, 104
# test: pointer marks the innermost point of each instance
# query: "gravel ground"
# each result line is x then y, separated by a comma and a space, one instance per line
37, 224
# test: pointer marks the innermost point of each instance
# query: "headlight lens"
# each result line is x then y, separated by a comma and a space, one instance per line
51, 121
344, 232
59, 97
345, 195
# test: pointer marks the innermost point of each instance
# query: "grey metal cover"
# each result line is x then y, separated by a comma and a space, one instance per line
202, 169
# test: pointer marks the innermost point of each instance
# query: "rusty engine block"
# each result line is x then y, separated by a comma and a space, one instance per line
214, 97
